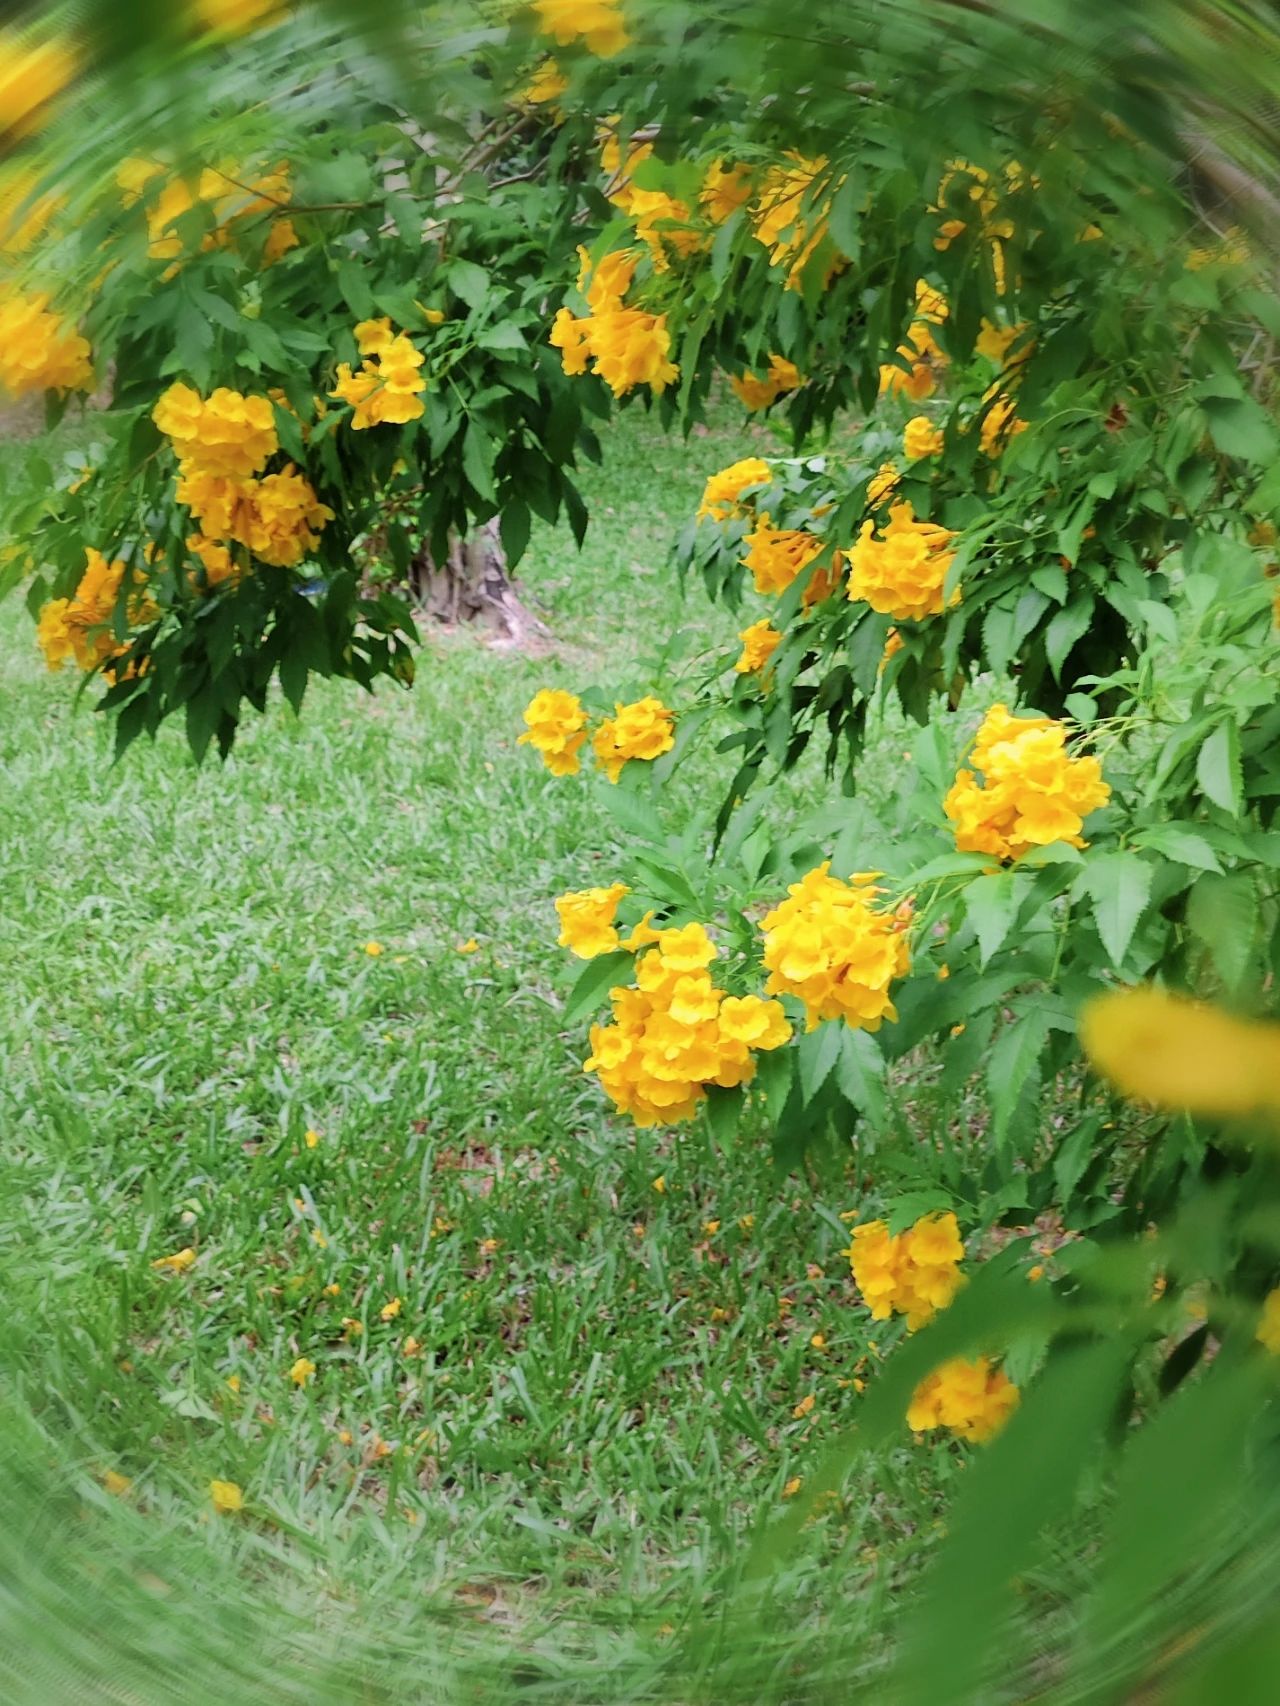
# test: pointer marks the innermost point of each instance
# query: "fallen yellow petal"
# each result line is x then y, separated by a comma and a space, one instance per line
226, 1496
178, 1263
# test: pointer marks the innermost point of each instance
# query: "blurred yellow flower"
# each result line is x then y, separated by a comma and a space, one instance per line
302, 1371
1175, 1053
389, 1311
116, 1483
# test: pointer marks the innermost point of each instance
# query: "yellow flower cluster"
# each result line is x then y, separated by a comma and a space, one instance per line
724, 190
759, 642
228, 434
919, 350
1269, 1326
38, 350
995, 342
25, 213
80, 627
755, 392
557, 728
901, 573
883, 483
663, 219
224, 195
830, 945
721, 499
587, 916
598, 24
1034, 791
785, 219
674, 1033
222, 443
966, 1395
627, 347
546, 85
999, 425
278, 518
388, 388
776, 555
916, 1272
644, 730
604, 283
32, 76
920, 438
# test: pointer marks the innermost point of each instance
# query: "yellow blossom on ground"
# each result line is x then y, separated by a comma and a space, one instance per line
374, 949
311, 1139
227, 1497
302, 1371
389, 1311
598, 24
759, 642
968, 1396
233, 1383
793, 1486
921, 438
32, 76
674, 1033
722, 495
1033, 793
557, 728
1268, 1333
644, 729
902, 572
587, 920
116, 1483
830, 945
758, 392
660, 1184
724, 190
39, 351
804, 1407
915, 1273
1159, 1047
178, 1263
470, 946
777, 555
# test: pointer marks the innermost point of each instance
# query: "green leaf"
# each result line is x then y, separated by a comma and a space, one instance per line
598, 976
1013, 1063
1064, 629
477, 461
1120, 886
634, 814
819, 1050
1241, 427
1222, 913
469, 282
1177, 841
860, 1074
990, 905
1218, 767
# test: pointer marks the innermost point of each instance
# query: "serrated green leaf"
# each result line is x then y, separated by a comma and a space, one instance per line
1218, 767
1120, 887
594, 982
990, 905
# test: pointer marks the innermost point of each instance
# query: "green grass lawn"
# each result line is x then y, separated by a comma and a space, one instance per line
563, 1369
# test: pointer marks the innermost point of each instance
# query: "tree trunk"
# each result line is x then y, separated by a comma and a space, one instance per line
473, 584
